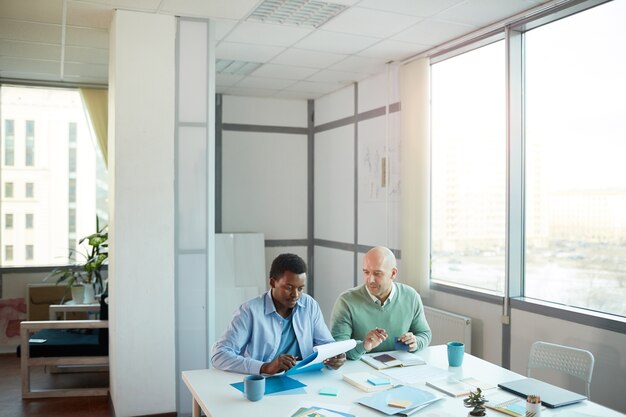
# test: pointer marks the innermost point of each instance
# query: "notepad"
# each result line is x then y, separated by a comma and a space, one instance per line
390, 359
330, 391
378, 381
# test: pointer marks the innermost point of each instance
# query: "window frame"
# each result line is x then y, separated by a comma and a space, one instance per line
513, 33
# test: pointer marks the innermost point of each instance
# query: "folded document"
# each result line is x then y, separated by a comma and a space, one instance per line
315, 360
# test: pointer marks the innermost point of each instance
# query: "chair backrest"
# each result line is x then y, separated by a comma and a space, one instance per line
573, 361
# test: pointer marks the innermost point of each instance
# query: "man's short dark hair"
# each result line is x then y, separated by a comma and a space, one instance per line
287, 262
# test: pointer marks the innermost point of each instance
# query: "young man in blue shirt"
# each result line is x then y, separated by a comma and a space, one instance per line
269, 333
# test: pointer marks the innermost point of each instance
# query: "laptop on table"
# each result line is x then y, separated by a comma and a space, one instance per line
550, 395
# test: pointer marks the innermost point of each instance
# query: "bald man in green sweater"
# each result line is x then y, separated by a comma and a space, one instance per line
380, 310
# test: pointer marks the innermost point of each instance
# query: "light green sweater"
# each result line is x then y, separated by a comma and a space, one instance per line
355, 314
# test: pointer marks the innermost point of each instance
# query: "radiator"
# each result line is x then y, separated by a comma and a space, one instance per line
449, 327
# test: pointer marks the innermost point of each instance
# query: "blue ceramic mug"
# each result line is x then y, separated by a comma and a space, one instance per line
254, 387
455, 353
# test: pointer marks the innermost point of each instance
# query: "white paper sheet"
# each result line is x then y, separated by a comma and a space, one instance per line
413, 374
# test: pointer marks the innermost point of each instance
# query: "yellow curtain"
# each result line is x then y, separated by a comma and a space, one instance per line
415, 173
96, 103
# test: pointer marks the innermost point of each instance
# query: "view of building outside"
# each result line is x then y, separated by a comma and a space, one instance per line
575, 170
54, 172
468, 169
575, 175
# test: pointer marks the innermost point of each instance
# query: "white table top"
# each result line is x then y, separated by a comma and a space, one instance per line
211, 389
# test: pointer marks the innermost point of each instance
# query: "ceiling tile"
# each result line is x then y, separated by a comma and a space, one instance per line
312, 87
483, 12
93, 38
338, 43
306, 58
423, 8
250, 92
339, 77
259, 82
267, 34
30, 50
393, 50
432, 32
223, 27
30, 32
87, 55
368, 22
226, 9
144, 5
287, 72
32, 10
246, 52
227, 79
89, 15
300, 95
360, 64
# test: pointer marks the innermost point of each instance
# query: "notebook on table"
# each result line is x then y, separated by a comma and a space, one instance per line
551, 396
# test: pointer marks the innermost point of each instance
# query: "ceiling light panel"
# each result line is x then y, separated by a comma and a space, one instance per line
228, 66
310, 13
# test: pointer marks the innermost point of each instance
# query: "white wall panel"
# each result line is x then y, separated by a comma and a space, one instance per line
192, 76
379, 90
191, 317
264, 111
335, 106
264, 184
192, 187
334, 272
334, 184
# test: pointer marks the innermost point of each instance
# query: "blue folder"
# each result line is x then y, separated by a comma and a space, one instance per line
275, 384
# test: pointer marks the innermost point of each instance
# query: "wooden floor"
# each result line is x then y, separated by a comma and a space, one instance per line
12, 405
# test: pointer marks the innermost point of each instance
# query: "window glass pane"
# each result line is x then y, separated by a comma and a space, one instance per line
29, 159
575, 171
8, 221
8, 189
9, 142
64, 193
8, 252
468, 169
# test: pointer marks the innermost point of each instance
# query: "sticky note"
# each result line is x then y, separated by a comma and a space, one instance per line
378, 381
330, 391
399, 403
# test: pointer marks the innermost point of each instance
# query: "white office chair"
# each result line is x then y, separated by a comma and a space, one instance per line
573, 361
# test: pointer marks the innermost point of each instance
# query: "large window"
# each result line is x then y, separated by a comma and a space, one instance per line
468, 168
566, 176
59, 188
575, 170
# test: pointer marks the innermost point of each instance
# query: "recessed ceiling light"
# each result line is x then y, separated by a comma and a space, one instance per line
227, 66
296, 12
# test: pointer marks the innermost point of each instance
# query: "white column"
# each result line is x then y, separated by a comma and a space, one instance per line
141, 232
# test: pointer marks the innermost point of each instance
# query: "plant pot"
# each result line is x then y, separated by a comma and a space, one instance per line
90, 294
476, 415
78, 294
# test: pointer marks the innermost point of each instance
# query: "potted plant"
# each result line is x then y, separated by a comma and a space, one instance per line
89, 272
475, 400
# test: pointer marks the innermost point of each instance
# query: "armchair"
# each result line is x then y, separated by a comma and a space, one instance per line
67, 342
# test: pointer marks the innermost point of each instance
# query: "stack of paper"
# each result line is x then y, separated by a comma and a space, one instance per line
399, 395
321, 410
361, 381
456, 387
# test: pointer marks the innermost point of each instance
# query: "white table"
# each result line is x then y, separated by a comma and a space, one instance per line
213, 395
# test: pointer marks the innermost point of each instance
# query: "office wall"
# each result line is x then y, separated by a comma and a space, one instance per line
141, 195
263, 181
356, 181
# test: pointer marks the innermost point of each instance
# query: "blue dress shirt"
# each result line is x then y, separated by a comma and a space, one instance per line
253, 336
